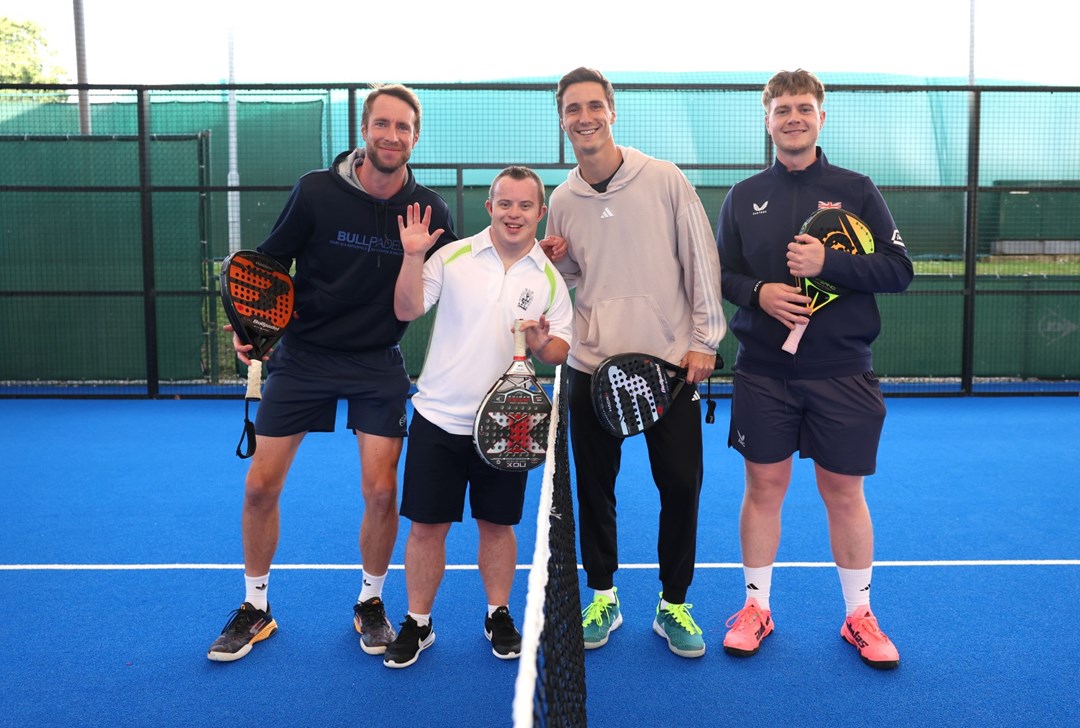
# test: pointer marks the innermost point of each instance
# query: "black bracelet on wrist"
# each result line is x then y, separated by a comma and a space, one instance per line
755, 295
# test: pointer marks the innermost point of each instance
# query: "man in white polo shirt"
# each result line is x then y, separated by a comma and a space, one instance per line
483, 284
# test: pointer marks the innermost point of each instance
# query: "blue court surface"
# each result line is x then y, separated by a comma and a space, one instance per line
120, 560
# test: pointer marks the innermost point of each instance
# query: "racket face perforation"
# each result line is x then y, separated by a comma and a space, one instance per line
258, 297
837, 229
257, 294
631, 392
511, 428
840, 230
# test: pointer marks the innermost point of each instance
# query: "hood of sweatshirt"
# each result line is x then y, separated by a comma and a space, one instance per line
344, 171
633, 162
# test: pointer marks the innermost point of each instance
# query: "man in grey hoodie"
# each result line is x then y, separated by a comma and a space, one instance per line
630, 233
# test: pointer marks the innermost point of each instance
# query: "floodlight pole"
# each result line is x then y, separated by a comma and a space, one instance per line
971, 45
80, 64
233, 179
971, 222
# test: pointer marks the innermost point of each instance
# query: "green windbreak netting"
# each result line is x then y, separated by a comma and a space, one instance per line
110, 240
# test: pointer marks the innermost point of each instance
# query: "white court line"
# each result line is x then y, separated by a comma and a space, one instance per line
521, 567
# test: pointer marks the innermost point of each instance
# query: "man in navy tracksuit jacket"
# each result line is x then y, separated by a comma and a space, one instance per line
753, 241
340, 227
823, 401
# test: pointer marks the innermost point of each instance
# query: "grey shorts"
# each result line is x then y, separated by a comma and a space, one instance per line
302, 390
440, 466
836, 422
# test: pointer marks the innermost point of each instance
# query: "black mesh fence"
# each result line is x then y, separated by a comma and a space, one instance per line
110, 236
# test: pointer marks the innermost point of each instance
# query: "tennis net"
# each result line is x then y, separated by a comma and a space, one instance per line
550, 688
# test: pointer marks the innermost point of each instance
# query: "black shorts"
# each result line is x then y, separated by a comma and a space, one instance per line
440, 466
836, 422
303, 388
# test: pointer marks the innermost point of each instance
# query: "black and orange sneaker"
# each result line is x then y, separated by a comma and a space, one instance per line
369, 620
246, 626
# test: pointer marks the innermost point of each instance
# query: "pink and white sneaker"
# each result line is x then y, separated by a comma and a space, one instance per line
876, 650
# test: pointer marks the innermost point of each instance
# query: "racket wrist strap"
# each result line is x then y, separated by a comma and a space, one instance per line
755, 295
246, 447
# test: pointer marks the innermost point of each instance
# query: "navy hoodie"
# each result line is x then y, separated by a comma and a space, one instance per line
347, 251
758, 219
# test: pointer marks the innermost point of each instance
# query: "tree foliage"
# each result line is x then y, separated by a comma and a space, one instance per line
24, 54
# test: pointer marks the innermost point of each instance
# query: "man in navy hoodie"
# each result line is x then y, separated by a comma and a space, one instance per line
339, 226
824, 401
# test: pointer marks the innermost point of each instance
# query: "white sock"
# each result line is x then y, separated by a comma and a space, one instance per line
257, 587
493, 607
855, 583
372, 587
421, 620
758, 584
609, 593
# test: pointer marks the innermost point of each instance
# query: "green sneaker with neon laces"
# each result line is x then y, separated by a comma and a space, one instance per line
675, 624
599, 620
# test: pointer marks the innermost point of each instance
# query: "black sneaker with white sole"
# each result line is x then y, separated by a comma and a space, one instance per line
411, 640
246, 626
505, 639
369, 620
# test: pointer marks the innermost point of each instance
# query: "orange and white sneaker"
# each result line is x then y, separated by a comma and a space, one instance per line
876, 650
747, 628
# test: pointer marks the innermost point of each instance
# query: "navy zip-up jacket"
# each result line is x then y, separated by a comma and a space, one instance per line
348, 254
758, 219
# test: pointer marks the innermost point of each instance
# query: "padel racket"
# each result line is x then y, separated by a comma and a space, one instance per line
631, 392
510, 431
840, 230
257, 295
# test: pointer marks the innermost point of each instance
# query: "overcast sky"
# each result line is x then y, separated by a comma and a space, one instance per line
327, 41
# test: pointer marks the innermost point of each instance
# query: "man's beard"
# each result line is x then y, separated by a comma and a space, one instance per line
371, 155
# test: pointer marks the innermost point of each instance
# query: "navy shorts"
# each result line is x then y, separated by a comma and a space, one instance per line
836, 422
302, 390
440, 466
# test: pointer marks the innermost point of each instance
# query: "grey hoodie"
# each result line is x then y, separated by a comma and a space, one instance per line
643, 260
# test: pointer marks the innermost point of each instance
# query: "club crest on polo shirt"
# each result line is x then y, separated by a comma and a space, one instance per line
525, 299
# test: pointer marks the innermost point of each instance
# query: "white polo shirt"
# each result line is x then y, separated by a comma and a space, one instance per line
472, 342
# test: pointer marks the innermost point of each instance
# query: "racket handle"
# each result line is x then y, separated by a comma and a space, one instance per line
519, 340
791, 345
254, 380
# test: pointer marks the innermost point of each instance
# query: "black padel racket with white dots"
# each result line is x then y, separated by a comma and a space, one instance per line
631, 392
